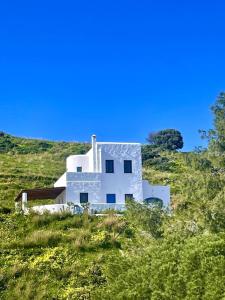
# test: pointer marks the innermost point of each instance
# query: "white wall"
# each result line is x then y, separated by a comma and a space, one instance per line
120, 183
83, 183
74, 161
50, 208
61, 181
158, 191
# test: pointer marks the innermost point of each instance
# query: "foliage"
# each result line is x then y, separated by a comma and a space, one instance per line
167, 139
28, 163
216, 136
152, 156
146, 253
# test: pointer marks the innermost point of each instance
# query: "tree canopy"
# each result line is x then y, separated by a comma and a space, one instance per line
167, 139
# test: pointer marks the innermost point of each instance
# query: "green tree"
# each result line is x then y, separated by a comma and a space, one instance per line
219, 121
167, 139
216, 136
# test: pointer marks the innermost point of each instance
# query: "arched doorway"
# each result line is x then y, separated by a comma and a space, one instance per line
154, 201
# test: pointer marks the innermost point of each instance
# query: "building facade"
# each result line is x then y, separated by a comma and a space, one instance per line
105, 177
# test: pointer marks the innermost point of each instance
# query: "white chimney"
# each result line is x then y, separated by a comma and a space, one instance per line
93, 140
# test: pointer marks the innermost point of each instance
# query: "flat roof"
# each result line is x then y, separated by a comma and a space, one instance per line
41, 193
114, 143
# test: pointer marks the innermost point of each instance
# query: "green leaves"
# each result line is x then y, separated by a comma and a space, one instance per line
167, 139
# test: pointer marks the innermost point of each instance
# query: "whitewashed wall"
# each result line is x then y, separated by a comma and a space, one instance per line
75, 161
158, 191
120, 183
83, 183
61, 181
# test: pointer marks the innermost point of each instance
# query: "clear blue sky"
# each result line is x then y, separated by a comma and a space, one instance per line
115, 68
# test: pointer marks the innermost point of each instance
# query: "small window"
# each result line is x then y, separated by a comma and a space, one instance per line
109, 166
127, 166
129, 197
79, 169
111, 198
83, 198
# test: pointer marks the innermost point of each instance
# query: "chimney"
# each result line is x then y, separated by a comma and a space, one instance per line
93, 140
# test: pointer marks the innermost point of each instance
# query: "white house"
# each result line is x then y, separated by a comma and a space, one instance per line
105, 177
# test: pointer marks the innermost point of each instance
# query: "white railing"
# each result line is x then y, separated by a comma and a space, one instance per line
97, 207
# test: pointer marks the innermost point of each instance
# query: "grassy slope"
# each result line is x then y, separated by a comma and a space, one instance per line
54, 257
26, 165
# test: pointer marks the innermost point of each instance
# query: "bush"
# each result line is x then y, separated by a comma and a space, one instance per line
80, 239
45, 238
47, 218
5, 210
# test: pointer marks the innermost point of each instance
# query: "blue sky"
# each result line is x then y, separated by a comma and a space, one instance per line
118, 69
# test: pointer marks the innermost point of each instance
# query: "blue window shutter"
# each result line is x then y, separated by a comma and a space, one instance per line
111, 198
109, 166
127, 166
83, 198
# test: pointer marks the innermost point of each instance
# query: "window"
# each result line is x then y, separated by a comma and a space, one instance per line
127, 166
109, 166
129, 197
111, 198
79, 169
83, 198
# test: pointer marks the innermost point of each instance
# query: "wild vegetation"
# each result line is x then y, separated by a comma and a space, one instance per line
147, 253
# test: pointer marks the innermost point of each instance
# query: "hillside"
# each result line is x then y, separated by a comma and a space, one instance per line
148, 253
29, 163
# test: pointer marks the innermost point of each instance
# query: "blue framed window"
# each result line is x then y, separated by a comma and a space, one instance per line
127, 166
109, 166
83, 198
79, 169
111, 198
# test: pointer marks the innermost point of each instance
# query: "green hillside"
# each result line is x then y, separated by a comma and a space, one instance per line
29, 163
148, 253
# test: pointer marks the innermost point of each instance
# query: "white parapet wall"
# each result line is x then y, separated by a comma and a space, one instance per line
50, 208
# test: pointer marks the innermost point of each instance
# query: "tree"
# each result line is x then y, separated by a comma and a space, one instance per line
216, 136
168, 139
218, 110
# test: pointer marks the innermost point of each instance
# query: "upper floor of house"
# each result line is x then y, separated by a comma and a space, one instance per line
108, 158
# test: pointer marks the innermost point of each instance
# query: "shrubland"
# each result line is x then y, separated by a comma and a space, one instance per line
148, 252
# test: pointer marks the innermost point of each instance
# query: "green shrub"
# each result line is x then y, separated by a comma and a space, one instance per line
44, 238
5, 210
47, 218
80, 240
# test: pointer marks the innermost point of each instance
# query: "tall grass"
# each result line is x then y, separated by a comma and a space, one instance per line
40, 238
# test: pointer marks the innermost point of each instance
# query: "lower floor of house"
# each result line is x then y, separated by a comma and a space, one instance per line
75, 198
